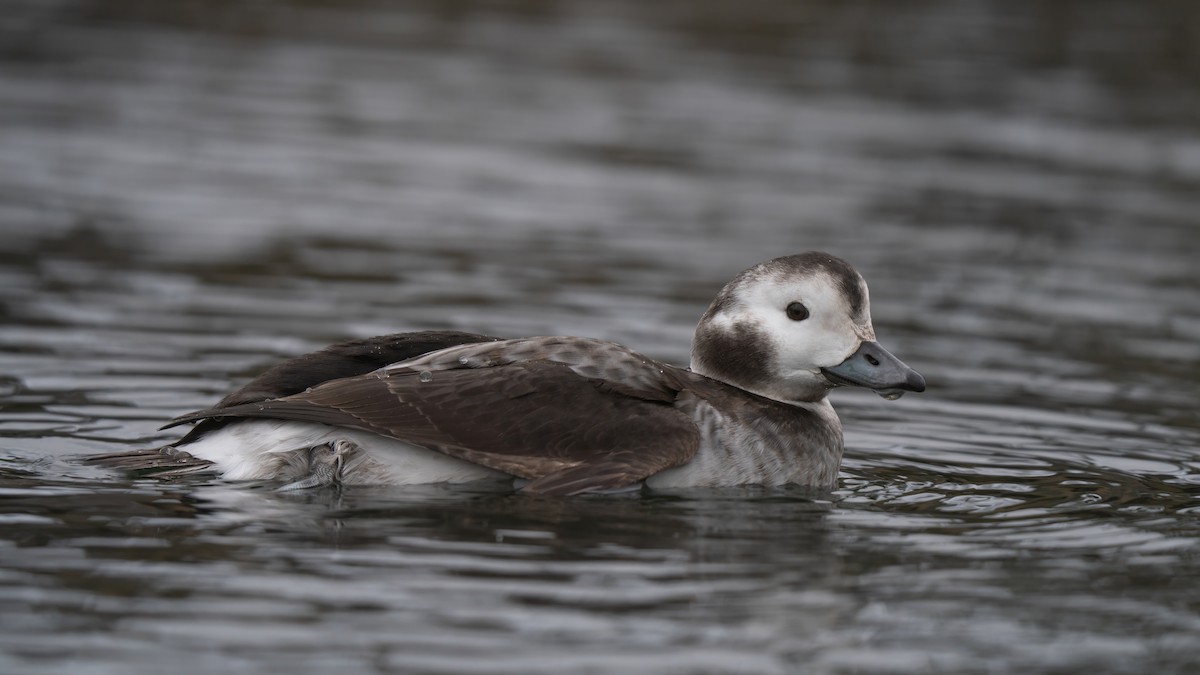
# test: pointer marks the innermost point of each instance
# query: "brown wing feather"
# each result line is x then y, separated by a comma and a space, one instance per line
535, 419
343, 359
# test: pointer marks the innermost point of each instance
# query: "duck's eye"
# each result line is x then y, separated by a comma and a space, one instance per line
797, 311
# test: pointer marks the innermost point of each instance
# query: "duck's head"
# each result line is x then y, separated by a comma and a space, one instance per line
793, 328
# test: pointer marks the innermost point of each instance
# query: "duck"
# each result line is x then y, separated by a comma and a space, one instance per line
563, 415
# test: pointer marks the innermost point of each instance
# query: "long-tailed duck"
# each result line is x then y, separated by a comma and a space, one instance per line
564, 415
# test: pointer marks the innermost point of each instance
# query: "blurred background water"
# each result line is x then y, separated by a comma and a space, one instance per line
191, 191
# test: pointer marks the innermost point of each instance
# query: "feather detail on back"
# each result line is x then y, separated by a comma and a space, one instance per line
497, 417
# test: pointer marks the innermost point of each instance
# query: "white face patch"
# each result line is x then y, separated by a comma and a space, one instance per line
794, 351
826, 338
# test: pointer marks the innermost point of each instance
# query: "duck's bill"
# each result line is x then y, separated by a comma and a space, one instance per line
876, 369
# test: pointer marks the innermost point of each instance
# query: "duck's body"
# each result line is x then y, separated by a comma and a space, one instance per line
567, 414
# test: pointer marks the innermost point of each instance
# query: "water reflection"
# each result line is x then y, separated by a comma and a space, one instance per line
204, 565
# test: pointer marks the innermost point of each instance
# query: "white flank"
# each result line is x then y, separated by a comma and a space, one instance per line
256, 449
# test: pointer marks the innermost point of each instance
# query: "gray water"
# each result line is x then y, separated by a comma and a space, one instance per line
192, 191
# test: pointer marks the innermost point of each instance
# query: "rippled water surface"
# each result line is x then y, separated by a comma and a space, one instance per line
190, 192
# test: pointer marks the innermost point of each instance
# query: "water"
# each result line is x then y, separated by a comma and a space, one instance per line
191, 192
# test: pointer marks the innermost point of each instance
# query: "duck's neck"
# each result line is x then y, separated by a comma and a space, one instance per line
744, 443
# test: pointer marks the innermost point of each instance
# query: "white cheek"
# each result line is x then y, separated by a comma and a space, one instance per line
825, 339
822, 340
836, 344
813, 344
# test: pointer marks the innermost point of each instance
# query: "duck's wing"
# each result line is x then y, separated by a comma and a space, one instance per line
343, 359
538, 419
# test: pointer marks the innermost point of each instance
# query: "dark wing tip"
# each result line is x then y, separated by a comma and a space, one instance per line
196, 417
164, 462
